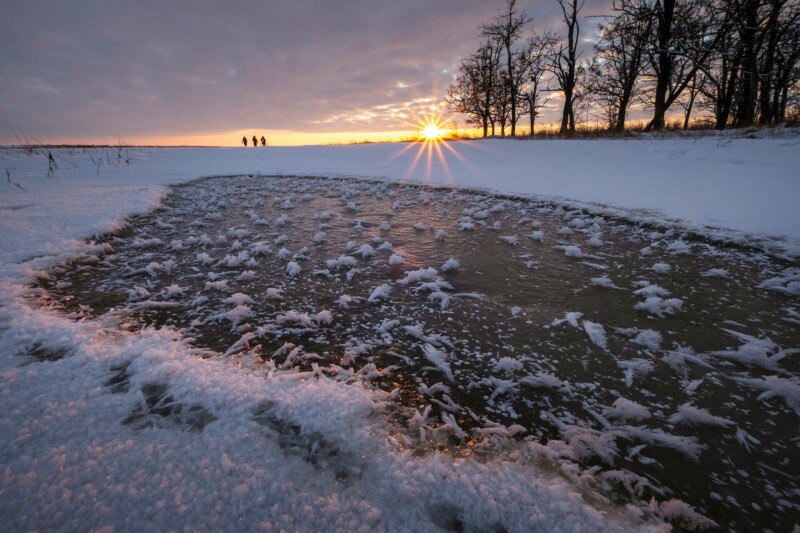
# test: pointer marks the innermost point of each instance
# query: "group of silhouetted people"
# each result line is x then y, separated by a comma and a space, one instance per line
255, 141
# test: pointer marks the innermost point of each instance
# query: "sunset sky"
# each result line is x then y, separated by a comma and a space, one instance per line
300, 72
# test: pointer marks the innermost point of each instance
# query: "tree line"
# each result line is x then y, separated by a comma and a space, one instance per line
737, 61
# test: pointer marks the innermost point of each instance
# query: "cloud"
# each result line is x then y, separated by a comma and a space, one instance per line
99, 68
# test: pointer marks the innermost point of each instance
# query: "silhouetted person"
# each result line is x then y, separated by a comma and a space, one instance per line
263, 141
255, 142
51, 165
244, 141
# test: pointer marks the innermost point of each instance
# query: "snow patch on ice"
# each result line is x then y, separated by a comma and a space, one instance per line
787, 282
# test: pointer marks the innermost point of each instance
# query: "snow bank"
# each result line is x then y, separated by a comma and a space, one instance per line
86, 446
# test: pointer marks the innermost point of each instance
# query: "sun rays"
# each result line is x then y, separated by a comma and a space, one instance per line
432, 132
433, 146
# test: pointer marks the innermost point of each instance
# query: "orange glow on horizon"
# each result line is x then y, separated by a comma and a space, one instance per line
288, 137
234, 138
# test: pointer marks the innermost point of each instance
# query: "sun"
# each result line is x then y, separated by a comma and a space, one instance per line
432, 132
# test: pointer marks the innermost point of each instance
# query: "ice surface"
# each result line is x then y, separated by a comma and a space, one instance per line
537, 235
627, 409
438, 359
422, 274
596, 333
450, 264
648, 338
570, 317
292, 268
662, 268
689, 414
381, 292
603, 281
715, 273
787, 282
786, 388
757, 351
684, 513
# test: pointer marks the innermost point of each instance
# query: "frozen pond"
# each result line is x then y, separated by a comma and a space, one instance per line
665, 366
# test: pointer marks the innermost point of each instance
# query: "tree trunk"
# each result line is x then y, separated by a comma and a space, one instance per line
782, 107
747, 107
688, 111
767, 116
565, 112
532, 116
774, 105
513, 89
487, 117
619, 125
568, 87
729, 90
766, 73
564, 115
664, 64
692, 95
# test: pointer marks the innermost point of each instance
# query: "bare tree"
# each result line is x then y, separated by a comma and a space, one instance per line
778, 56
501, 108
535, 60
746, 14
689, 98
738, 59
603, 92
463, 98
619, 60
750, 19
687, 34
474, 90
663, 12
505, 29
786, 76
563, 62
721, 79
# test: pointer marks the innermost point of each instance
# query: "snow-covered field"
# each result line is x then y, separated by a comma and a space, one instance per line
256, 448
746, 189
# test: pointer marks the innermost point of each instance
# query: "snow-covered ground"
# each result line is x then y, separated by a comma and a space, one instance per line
741, 189
299, 451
